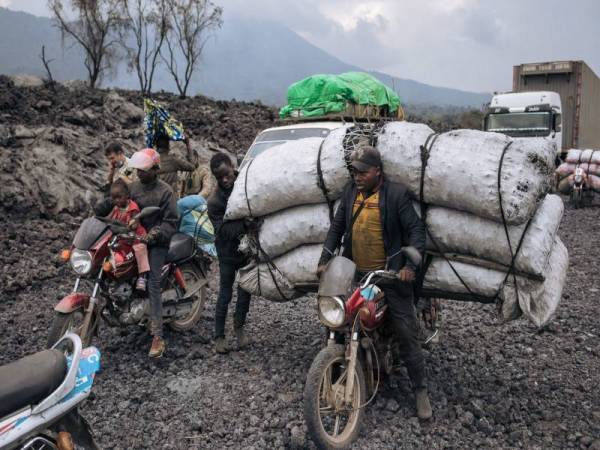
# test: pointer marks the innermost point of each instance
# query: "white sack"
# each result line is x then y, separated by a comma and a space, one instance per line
541, 307
297, 266
583, 156
271, 285
537, 300
484, 239
462, 170
293, 227
286, 175
466, 234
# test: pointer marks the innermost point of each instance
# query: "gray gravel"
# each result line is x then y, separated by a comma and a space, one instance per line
492, 386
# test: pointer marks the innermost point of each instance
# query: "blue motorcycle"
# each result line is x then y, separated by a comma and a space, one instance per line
40, 395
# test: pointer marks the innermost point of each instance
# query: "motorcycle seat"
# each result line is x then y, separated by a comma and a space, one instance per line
181, 247
30, 379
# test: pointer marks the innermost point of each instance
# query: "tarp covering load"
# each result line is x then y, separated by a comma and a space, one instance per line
194, 221
483, 196
159, 122
588, 161
319, 95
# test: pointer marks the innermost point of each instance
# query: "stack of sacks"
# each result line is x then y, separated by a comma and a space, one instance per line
464, 217
588, 160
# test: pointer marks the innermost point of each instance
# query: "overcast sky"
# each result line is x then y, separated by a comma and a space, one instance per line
465, 44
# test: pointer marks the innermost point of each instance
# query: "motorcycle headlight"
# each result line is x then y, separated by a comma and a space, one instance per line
81, 261
332, 311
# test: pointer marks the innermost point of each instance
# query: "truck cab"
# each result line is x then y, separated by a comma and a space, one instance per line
527, 114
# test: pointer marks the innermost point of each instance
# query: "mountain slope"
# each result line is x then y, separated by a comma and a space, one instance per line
246, 60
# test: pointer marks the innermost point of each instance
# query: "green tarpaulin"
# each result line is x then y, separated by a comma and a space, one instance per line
319, 95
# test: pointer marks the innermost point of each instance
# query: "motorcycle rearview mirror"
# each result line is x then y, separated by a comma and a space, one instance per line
147, 212
413, 255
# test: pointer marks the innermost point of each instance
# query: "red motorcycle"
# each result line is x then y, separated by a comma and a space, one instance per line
102, 252
344, 376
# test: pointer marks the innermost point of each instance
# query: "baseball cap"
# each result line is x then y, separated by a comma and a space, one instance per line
365, 157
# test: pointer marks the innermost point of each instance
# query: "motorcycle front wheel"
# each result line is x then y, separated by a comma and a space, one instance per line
186, 321
331, 423
73, 321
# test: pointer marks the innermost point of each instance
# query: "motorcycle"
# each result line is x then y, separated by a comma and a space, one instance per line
40, 395
102, 251
581, 194
345, 375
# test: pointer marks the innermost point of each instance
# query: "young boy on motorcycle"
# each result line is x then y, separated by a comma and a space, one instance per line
374, 221
124, 209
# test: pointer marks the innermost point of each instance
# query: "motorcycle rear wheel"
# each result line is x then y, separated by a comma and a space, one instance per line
187, 322
326, 376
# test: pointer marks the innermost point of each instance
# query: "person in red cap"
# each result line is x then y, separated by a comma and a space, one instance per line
374, 221
148, 190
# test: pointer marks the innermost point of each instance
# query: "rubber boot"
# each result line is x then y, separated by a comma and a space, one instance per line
221, 345
242, 339
424, 411
415, 363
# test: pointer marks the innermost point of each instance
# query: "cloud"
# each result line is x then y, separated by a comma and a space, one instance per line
467, 44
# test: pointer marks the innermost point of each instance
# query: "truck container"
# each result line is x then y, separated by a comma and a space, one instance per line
579, 90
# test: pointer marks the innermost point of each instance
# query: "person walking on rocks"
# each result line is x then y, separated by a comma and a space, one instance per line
172, 164
374, 221
227, 241
118, 164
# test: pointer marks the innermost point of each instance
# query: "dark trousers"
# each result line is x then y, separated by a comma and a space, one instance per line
227, 277
403, 318
156, 257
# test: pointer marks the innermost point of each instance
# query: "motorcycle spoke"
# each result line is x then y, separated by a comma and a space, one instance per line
336, 427
326, 385
326, 410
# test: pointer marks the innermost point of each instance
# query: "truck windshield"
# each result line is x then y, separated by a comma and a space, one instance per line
292, 134
520, 124
268, 139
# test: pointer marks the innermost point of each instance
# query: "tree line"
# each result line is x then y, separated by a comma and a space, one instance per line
143, 33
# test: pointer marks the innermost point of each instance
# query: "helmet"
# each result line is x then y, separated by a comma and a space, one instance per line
145, 159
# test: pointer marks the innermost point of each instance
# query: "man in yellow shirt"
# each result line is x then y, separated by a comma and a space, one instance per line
374, 221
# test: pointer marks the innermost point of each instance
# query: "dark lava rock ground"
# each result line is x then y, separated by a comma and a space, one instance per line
492, 386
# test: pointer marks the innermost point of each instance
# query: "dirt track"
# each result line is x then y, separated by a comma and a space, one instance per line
492, 386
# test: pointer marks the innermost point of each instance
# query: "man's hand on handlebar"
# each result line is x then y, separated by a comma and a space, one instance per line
406, 275
133, 224
153, 235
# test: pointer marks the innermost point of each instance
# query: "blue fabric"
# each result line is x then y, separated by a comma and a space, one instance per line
158, 121
193, 211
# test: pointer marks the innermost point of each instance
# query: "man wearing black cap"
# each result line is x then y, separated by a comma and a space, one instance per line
374, 221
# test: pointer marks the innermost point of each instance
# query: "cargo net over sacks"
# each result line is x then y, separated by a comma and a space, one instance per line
492, 227
588, 160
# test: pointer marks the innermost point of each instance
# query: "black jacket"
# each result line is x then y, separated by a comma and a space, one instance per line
401, 225
158, 194
227, 234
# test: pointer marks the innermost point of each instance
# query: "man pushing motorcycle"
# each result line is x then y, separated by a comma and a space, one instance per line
374, 221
